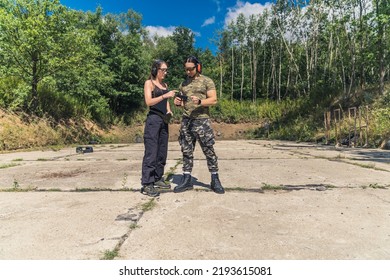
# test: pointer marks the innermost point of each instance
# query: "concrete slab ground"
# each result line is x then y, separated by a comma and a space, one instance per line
283, 200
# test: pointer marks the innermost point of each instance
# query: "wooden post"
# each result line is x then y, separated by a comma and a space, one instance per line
355, 129
367, 126
352, 110
337, 117
327, 127
360, 128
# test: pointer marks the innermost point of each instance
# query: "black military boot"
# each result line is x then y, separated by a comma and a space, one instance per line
216, 185
185, 184
149, 190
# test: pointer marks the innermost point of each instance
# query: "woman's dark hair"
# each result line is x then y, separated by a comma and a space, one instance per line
155, 66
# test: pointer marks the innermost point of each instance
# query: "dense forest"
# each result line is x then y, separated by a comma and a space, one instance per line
287, 67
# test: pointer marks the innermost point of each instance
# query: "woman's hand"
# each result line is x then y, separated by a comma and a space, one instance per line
169, 94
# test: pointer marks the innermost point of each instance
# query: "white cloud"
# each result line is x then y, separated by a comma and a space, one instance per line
208, 21
246, 9
160, 30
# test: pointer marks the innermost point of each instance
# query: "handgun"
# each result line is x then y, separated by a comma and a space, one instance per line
182, 96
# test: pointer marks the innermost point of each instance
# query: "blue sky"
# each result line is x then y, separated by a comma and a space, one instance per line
203, 17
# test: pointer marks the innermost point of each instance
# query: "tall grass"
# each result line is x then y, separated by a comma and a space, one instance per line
22, 131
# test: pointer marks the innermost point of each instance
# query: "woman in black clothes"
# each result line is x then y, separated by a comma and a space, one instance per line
156, 133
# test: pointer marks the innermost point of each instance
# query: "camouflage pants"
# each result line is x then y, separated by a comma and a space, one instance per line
200, 130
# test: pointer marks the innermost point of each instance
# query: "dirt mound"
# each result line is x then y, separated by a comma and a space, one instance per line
223, 131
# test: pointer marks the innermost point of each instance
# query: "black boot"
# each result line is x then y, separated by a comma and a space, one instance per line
216, 185
149, 190
186, 184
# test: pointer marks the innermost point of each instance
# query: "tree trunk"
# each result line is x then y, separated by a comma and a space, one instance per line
381, 51
232, 86
33, 106
242, 73
221, 76
254, 78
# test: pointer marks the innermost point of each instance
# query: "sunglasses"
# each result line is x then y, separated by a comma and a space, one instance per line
190, 68
163, 69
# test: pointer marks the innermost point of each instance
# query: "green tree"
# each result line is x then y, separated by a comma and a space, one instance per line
129, 63
38, 39
184, 39
382, 17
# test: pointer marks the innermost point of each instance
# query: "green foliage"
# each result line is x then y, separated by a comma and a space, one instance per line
233, 111
290, 119
285, 66
298, 129
55, 104
39, 38
381, 123
94, 63
110, 254
13, 93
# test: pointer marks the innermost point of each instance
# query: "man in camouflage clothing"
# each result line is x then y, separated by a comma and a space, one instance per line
198, 93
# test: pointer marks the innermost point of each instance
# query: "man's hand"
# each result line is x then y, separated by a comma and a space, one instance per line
195, 100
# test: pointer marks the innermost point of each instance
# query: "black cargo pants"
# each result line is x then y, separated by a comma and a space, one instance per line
156, 149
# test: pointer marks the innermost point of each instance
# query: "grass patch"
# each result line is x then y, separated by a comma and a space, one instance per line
271, 187
134, 226
375, 186
370, 166
110, 254
148, 205
91, 189
169, 174
16, 188
3, 166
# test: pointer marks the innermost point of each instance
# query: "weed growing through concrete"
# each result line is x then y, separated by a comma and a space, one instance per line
52, 190
148, 205
110, 254
369, 166
271, 187
16, 185
16, 188
171, 172
91, 189
3, 166
376, 186
133, 226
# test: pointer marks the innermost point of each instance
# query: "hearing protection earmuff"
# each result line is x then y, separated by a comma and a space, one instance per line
198, 64
155, 66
